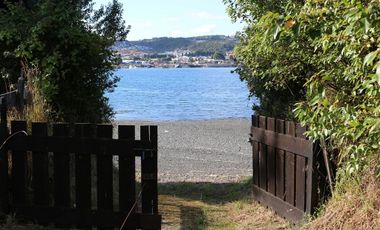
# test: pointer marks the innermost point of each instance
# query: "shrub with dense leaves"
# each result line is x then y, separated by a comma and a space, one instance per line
328, 52
69, 43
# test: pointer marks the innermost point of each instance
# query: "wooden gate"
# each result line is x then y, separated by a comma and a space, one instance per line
285, 168
79, 176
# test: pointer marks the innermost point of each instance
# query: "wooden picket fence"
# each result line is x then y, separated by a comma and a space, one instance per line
66, 175
287, 172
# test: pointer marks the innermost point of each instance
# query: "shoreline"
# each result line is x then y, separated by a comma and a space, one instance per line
184, 67
117, 121
215, 150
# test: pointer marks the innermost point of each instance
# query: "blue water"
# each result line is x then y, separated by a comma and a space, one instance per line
179, 94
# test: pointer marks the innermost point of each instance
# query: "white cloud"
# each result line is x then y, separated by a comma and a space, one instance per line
204, 29
207, 16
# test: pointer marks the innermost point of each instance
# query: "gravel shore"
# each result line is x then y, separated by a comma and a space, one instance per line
202, 151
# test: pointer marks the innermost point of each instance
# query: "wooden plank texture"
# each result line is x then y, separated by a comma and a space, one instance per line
255, 155
83, 174
99, 146
105, 167
102, 218
127, 180
40, 168
284, 209
61, 172
288, 143
263, 157
104, 173
4, 177
271, 160
149, 172
18, 167
301, 169
280, 164
290, 167
300, 182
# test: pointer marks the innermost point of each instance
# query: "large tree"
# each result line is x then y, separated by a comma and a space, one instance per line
70, 43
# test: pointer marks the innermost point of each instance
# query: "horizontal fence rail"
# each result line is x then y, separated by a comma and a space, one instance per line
78, 176
284, 167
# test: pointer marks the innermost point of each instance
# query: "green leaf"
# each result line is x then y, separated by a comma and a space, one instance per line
326, 78
366, 25
277, 31
378, 74
370, 57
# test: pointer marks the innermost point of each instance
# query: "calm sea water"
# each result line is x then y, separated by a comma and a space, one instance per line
180, 94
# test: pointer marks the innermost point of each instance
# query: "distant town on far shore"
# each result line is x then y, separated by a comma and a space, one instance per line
166, 52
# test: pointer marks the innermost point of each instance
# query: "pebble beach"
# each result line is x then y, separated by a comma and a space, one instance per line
215, 151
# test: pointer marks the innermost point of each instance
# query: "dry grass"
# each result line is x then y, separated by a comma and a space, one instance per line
11, 224
355, 205
214, 206
37, 109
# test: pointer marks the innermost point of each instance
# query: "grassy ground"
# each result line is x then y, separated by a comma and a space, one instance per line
214, 206
201, 206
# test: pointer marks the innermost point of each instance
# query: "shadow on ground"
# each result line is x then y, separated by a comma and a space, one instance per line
195, 205
211, 193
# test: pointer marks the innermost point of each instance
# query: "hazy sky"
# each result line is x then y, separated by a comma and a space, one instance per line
176, 18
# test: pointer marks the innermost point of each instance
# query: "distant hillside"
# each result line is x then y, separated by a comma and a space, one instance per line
197, 45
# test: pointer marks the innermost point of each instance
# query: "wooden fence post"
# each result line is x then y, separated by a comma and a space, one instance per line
149, 172
20, 93
4, 195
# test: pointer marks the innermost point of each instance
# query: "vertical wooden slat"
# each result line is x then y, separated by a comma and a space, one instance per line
61, 170
154, 163
300, 182
127, 180
290, 167
280, 164
83, 172
149, 171
271, 160
300, 173
104, 167
104, 173
300, 131
255, 153
18, 167
4, 186
311, 182
263, 157
40, 168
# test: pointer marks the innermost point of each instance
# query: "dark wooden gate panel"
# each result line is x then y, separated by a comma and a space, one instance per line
83, 173
61, 172
40, 168
51, 198
127, 185
283, 167
18, 170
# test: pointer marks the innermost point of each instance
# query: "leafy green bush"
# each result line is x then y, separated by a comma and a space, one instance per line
343, 99
70, 43
328, 52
